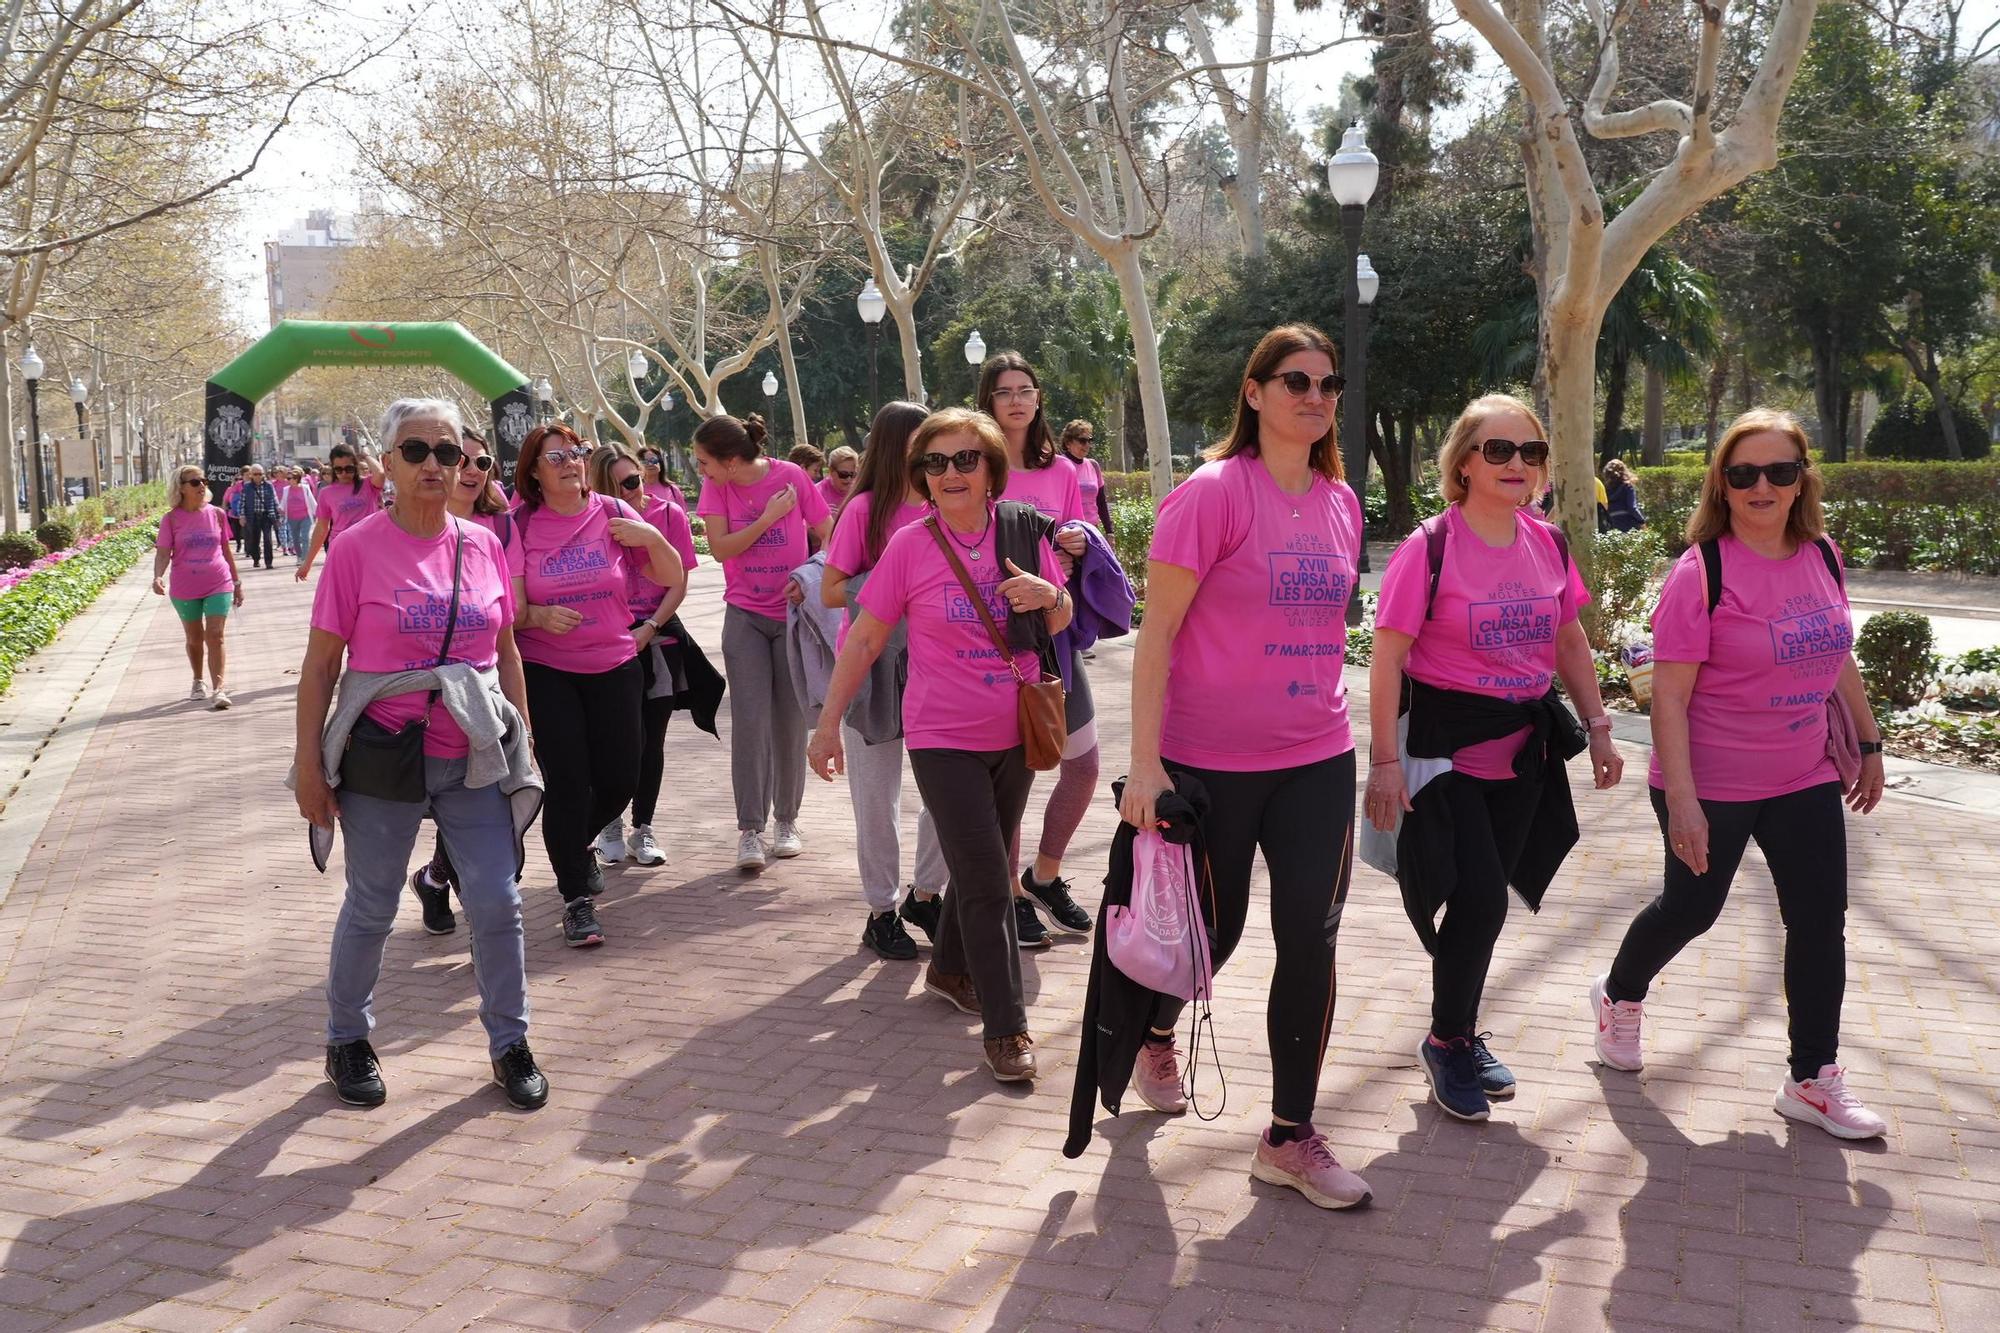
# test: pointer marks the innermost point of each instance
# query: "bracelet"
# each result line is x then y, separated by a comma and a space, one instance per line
1384, 763
1868, 747
1602, 722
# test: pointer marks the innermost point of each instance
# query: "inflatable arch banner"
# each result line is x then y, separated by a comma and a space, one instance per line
234, 390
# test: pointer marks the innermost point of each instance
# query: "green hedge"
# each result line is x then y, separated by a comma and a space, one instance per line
1921, 516
35, 608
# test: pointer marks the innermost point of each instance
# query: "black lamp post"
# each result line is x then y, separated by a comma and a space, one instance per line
1351, 176
871, 307
79, 393
31, 371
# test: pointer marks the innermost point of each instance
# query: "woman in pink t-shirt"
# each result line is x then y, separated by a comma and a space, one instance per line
1236, 684
1077, 437
843, 465
1501, 625
415, 589
354, 493
1040, 475
194, 540
1740, 752
875, 770
759, 512
960, 710
572, 552
657, 485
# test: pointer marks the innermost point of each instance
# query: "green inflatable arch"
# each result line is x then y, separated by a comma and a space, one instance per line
295, 344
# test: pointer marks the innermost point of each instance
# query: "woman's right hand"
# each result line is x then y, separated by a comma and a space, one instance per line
781, 504
554, 619
1387, 795
299, 574
1687, 831
824, 753
1143, 786
159, 587
316, 800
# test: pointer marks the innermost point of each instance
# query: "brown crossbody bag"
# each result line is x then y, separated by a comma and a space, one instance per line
1043, 730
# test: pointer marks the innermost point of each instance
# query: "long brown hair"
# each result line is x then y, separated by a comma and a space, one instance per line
1710, 519
1039, 449
542, 438
1271, 349
487, 502
885, 471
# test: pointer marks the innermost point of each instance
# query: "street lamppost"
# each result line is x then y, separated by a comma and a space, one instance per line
79, 393
770, 400
975, 356
871, 307
20, 465
31, 371
635, 365
545, 398
1351, 176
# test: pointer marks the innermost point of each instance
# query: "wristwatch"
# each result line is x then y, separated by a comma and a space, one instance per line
1869, 747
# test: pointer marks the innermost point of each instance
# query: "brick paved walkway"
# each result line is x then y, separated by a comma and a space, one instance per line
756, 1125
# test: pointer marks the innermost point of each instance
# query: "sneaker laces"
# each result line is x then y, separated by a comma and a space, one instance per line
1834, 1085
1625, 1016
516, 1061
1163, 1060
355, 1060
1317, 1152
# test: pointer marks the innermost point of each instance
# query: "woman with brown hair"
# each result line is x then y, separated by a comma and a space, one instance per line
1236, 684
1077, 437
1750, 638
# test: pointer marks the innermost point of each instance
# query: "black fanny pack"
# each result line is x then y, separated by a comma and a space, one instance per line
389, 765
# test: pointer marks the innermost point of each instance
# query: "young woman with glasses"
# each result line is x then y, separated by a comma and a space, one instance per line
961, 710
1501, 624
1040, 475
354, 494
759, 512
1740, 752
194, 541
571, 556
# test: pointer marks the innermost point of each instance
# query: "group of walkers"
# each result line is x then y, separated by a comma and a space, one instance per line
966, 563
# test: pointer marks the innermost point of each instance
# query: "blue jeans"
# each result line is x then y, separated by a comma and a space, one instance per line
377, 836
301, 535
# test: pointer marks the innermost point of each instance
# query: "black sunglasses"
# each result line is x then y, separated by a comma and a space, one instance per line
1296, 382
1742, 476
631, 483
343, 469
1533, 452
844, 476
447, 452
965, 460
193, 481
650, 460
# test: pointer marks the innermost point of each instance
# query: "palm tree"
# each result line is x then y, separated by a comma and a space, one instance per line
1664, 318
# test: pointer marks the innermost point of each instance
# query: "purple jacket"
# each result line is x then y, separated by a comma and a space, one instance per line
1104, 601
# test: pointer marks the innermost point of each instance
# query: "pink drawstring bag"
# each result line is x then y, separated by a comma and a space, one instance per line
1160, 939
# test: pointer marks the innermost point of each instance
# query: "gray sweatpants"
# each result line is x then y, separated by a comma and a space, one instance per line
478, 832
875, 785
767, 729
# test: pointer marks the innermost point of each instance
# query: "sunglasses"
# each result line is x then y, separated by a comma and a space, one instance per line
193, 481
1083, 439
561, 456
631, 483
346, 470
1742, 476
1296, 383
844, 476
650, 460
447, 452
1533, 452
484, 462
965, 460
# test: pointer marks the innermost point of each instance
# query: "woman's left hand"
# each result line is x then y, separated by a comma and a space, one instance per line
794, 594
631, 532
1606, 764
1866, 793
1025, 592
644, 633
1071, 541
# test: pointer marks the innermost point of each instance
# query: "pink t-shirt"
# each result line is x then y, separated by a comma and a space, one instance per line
1254, 682
573, 561
1492, 630
961, 695
388, 595
847, 550
342, 506
1051, 489
832, 494
667, 491
1089, 481
755, 580
198, 539
642, 595
299, 500
1769, 655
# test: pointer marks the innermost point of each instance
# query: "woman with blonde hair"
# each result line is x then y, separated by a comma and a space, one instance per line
843, 465
1751, 637
194, 541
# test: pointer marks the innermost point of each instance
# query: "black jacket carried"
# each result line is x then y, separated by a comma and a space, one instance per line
700, 686
1117, 1011
1445, 721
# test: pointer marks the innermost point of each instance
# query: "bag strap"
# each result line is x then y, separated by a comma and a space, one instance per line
451, 616
965, 582
1711, 572
1435, 528
1832, 562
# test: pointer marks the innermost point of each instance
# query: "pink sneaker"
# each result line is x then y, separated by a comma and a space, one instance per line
1617, 1029
1309, 1166
1826, 1102
1157, 1077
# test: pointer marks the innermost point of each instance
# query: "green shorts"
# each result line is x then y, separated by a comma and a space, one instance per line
191, 609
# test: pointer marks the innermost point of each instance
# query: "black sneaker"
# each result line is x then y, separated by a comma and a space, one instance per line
1495, 1079
436, 900
1454, 1078
1053, 901
580, 928
1028, 926
515, 1071
923, 913
886, 936
355, 1073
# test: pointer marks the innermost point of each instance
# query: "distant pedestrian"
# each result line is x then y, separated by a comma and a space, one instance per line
808, 459
300, 501
260, 518
1076, 442
658, 485
843, 465
194, 541
1621, 497
355, 493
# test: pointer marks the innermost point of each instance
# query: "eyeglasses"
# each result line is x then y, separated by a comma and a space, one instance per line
484, 462
561, 456
844, 476
1742, 476
447, 452
965, 460
1533, 452
1027, 395
1296, 383
631, 483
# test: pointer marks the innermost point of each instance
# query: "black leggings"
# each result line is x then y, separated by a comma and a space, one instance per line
1303, 819
258, 531
1803, 836
1490, 819
654, 714
586, 729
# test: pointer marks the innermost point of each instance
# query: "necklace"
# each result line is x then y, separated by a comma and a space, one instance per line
972, 550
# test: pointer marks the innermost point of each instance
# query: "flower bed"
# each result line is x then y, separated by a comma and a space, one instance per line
35, 602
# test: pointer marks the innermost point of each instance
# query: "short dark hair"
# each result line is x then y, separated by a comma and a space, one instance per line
985, 432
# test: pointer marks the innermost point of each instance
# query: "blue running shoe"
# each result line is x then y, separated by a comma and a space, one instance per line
1454, 1078
1495, 1079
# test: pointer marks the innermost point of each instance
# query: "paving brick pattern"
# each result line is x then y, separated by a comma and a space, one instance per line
757, 1125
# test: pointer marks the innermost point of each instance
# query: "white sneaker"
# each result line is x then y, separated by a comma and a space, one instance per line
750, 850
644, 850
786, 842
221, 699
1618, 1024
197, 691
1826, 1102
610, 844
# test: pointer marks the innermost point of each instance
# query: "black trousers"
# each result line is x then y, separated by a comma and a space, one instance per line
1302, 819
1491, 818
975, 798
259, 530
1803, 836
586, 729
654, 714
